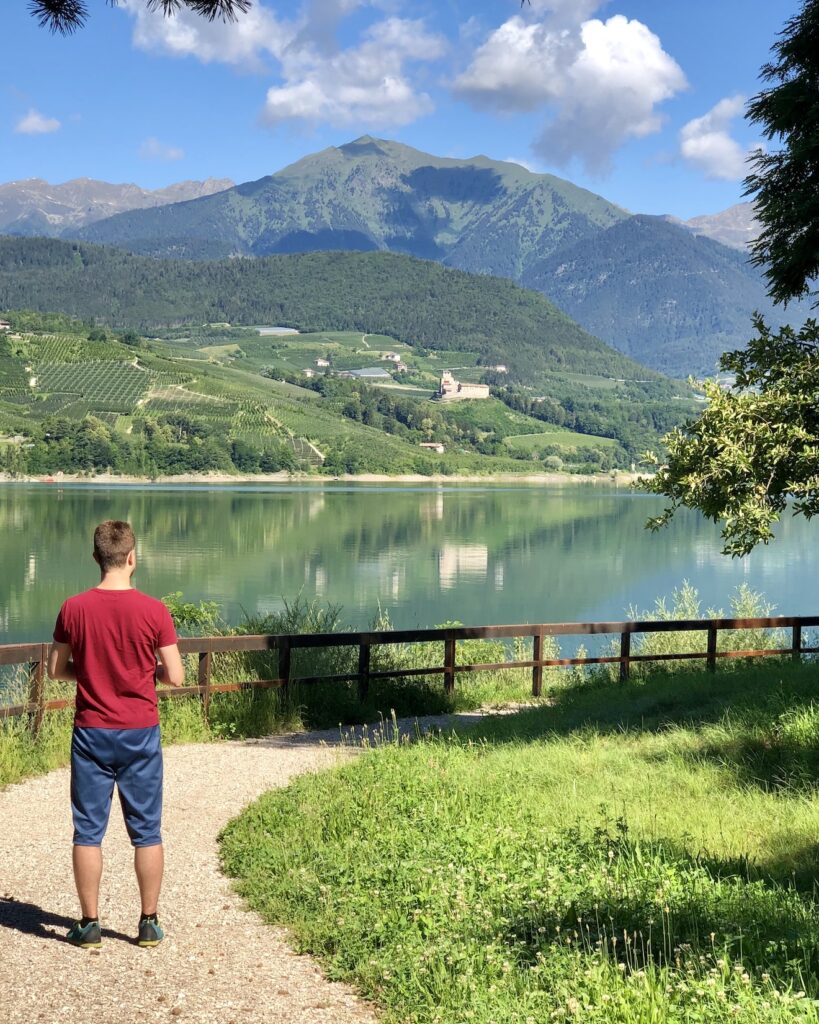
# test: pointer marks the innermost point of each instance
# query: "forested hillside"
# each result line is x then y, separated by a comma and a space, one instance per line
670, 299
415, 301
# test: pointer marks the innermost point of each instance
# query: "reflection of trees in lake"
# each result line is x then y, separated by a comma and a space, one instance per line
472, 554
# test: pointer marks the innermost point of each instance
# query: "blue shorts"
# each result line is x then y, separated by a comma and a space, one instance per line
133, 759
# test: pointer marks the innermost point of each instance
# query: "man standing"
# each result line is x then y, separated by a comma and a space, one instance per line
107, 640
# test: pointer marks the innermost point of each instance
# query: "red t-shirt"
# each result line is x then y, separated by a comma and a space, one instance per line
114, 636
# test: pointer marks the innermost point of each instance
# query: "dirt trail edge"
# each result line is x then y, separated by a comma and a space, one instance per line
219, 962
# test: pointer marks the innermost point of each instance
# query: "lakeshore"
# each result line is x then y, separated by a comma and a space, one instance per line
547, 479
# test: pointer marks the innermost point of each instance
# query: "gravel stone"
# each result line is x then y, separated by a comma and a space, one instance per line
219, 962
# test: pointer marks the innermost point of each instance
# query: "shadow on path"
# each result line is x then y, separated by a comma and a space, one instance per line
33, 920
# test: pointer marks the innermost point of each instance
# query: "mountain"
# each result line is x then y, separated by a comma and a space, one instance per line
415, 301
735, 227
664, 296
676, 300
478, 214
35, 207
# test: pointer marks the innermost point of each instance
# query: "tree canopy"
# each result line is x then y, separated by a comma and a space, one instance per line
66, 16
755, 447
785, 182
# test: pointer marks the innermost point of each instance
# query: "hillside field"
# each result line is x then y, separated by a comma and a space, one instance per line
216, 398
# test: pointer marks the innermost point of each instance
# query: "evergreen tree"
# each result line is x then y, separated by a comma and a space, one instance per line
785, 182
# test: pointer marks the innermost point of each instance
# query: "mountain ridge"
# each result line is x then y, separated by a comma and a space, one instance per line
34, 206
474, 214
685, 299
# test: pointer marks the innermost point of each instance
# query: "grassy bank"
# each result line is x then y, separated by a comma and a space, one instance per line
631, 853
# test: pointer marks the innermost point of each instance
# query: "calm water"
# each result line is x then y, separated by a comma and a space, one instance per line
428, 554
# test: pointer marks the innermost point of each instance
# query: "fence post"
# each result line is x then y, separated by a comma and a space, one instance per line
284, 669
537, 668
625, 656
449, 666
36, 691
796, 643
205, 658
712, 647
363, 671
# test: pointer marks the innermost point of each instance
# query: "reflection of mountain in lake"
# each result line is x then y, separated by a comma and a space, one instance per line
479, 555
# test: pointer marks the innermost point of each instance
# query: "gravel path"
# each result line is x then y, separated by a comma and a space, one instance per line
218, 962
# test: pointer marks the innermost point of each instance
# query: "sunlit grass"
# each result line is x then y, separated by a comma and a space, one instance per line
629, 853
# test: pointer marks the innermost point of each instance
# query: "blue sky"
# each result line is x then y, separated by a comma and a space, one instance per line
639, 101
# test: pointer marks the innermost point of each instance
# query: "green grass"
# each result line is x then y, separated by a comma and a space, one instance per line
632, 854
563, 438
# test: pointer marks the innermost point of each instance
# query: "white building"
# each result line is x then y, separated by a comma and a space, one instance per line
452, 390
5, 325
322, 362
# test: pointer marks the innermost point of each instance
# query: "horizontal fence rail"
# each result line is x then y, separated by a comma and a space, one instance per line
35, 656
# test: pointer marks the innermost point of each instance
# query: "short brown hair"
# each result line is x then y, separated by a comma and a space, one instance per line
113, 541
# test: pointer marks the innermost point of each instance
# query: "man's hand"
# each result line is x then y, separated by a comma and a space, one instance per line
171, 672
60, 665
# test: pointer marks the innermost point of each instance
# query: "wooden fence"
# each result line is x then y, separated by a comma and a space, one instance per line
35, 656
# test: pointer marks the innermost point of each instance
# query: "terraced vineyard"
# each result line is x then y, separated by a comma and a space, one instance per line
68, 348
112, 384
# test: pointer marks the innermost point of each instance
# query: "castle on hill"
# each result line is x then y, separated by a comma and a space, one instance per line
452, 390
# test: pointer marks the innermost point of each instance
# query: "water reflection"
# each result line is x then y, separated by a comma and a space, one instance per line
488, 554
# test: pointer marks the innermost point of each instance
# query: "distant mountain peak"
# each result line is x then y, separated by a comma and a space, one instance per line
366, 144
38, 207
735, 227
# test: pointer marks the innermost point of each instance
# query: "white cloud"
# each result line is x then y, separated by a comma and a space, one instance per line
35, 123
153, 149
368, 81
365, 83
706, 143
244, 42
601, 81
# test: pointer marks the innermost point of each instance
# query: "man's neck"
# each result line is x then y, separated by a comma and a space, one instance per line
115, 581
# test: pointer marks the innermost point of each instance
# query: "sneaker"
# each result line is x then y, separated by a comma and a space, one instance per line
89, 937
150, 933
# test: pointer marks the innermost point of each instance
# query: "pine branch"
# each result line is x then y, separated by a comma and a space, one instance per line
67, 16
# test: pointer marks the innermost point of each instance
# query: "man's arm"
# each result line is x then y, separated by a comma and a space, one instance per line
171, 671
60, 665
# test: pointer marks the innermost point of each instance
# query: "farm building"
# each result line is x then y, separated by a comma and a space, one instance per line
393, 357
452, 390
5, 325
433, 446
322, 362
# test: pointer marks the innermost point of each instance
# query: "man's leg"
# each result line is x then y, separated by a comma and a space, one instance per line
87, 874
149, 863
139, 782
92, 786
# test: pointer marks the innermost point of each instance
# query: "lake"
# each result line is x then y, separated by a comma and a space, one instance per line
426, 554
